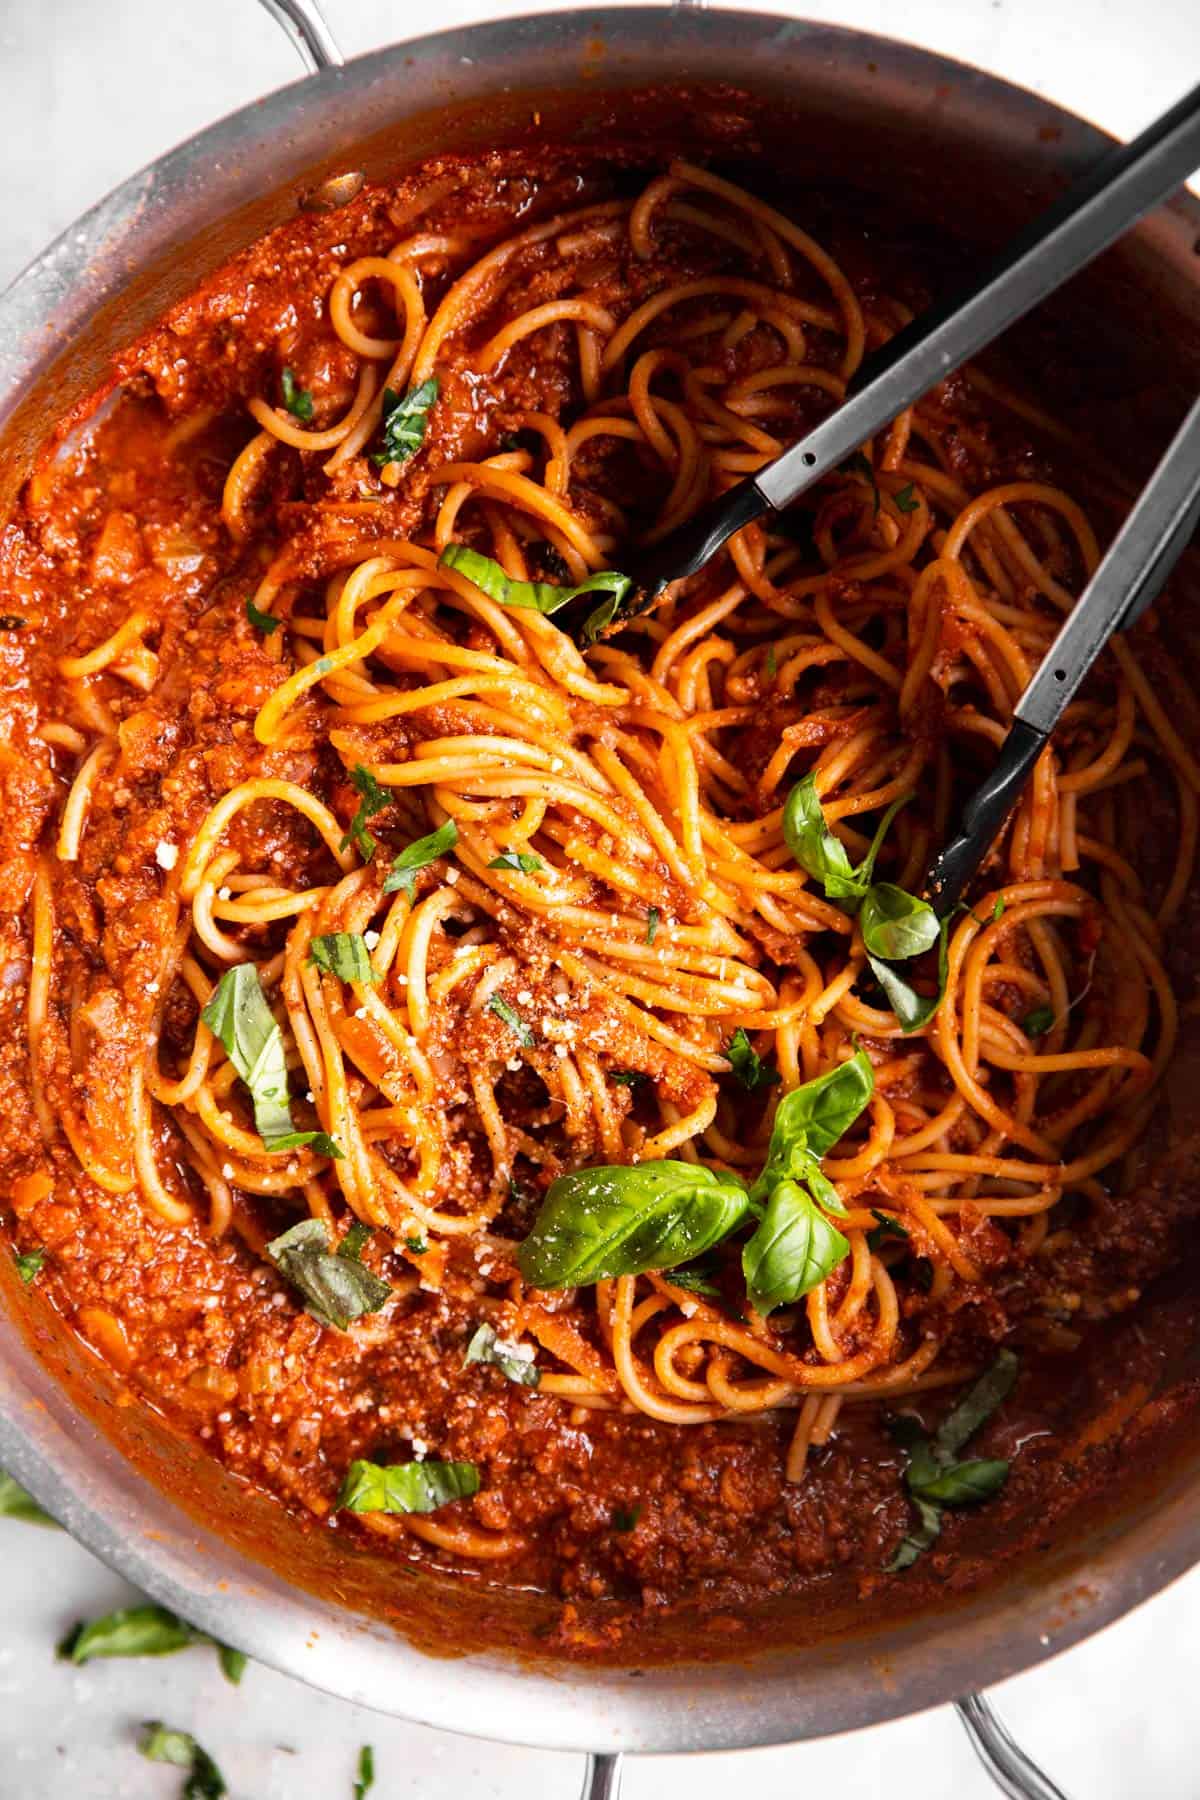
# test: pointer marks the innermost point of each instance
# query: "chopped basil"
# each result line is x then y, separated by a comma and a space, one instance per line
238, 1014
298, 400
403, 873
860, 463
262, 621
29, 1265
15, 1503
696, 1277
12, 621
365, 1780
934, 1477
521, 860
629, 1078
771, 663
652, 918
357, 1236
1038, 1022
623, 1220
794, 1248
418, 1245
906, 501
159, 1743
344, 954
886, 1228
486, 1347
337, 1288
625, 1518
538, 596
405, 418
512, 1018
413, 1487
998, 909
373, 799
147, 1630
748, 1065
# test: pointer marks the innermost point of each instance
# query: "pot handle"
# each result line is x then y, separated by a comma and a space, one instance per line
1014, 1773
304, 25
602, 1777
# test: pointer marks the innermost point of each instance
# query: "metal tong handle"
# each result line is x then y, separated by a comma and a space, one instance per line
1130, 578
1125, 184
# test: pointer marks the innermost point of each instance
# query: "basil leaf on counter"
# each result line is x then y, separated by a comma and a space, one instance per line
337, 1288
147, 1630
262, 621
624, 1220
530, 596
413, 1487
424, 850
238, 1014
748, 1065
810, 1119
233, 1663
159, 1743
365, 1779
298, 400
344, 954
793, 1249
523, 861
896, 925
486, 1347
372, 799
499, 1005
405, 417
15, 1503
29, 1265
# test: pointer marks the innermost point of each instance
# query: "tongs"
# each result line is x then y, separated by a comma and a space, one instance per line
1127, 183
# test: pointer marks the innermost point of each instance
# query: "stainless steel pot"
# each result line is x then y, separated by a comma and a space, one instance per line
818, 106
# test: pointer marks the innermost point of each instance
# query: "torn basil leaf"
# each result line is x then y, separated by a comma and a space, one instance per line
147, 1630
344, 954
15, 1503
402, 876
896, 925
365, 1778
652, 918
372, 799
298, 400
337, 1288
405, 418
821, 854
935, 1478
503, 1010
159, 1743
1038, 1022
486, 1347
793, 1249
520, 861
262, 621
239, 1016
747, 1065
530, 596
29, 1265
626, 1219
905, 500
413, 1487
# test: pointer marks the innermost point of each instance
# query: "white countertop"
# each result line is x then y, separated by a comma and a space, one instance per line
1113, 1719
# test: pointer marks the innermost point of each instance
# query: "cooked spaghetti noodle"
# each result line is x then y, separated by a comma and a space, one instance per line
562, 987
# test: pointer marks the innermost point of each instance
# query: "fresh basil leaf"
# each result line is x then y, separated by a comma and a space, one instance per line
319, 1141
486, 1347
962, 1484
12, 621
419, 855
861, 464
337, 1289
532, 596
523, 861
365, 1780
906, 501
298, 400
417, 1245
748, 1066
262, 621
896, 925
413, 1487
15, 1503
821, 1188
1038, 1022
915, 1544
159, 1743
886, 1228
373, 799
233, 1663
356, 1237
977, 1405
29, 1264
696, 1277
596, 1223
629, 1078
512, 1018
912, 1010
793, 1249
814, 846
771, 663
625, 1518
810, 1119
998, 908
405, 418
866, 869
652, 918
344, 954
238, 1014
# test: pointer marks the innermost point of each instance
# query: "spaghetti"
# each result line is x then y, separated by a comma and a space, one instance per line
561, 987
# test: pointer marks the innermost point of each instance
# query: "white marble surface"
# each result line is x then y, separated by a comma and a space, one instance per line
1113, 1719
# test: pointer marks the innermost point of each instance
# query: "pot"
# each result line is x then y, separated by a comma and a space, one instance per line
972, 158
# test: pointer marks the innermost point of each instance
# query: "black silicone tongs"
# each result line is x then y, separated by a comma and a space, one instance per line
1129, 579
1128, 182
